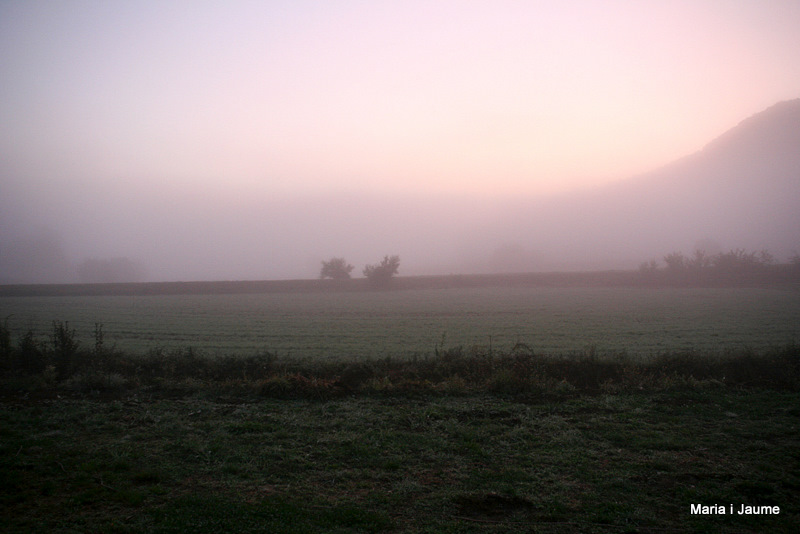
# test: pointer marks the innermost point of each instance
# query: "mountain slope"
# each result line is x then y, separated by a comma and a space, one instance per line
740, 190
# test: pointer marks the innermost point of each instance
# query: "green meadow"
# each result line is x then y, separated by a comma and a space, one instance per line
375, 324
422, 411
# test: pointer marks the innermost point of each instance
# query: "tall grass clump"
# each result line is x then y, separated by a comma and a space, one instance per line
65, 347
64, 364
5, 342
30, 357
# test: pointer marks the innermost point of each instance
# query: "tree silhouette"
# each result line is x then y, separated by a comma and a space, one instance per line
381, 273
336, 268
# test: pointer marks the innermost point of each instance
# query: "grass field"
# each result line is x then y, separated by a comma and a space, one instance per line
402, 323
308, 412
475, 463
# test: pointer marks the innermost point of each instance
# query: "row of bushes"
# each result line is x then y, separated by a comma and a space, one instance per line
63, 364
734, 265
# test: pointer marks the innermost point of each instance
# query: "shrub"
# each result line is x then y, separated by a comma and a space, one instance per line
735, 265
7, 363
336, 268
30, 357
65, 346
507, 381
453, 385
92, 381
5, 342
381, 273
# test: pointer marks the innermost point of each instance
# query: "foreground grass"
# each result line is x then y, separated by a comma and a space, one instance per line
466, 440
605, 462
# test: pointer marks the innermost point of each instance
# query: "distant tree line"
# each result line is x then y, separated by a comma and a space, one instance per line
734, 265
379, 274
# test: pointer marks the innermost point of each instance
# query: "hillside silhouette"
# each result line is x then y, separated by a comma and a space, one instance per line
742, 190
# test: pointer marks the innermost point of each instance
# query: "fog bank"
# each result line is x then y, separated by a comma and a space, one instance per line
741, 191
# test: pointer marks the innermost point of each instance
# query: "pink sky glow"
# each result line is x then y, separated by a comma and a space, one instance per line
421, 96
146, 108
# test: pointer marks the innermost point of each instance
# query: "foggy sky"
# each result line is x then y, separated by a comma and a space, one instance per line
241, 140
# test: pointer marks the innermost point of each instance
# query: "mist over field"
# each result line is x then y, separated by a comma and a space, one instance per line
741, 191
163, 143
